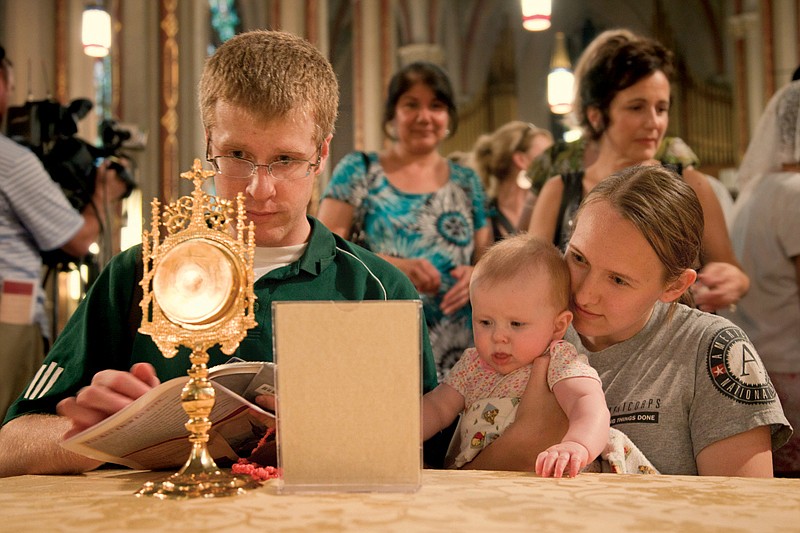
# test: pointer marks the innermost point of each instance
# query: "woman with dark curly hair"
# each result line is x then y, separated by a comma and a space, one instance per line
413, 207
624, 109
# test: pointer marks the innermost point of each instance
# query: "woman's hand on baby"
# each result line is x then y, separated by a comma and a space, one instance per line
566, 457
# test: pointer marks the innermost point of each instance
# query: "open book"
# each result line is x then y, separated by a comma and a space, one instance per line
150, 432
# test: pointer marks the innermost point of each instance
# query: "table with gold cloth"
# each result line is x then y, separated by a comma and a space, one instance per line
447, 501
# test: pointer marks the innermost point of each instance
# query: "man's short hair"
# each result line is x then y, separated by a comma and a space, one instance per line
270, 74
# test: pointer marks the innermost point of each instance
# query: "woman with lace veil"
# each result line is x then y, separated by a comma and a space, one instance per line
766, 239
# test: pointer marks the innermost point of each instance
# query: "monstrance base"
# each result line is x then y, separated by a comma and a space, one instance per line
203, 485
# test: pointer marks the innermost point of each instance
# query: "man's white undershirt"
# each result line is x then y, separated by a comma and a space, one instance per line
268, 259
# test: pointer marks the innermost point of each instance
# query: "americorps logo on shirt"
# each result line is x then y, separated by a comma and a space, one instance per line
737, 370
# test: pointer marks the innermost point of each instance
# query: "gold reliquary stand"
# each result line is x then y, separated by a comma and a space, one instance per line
198, 292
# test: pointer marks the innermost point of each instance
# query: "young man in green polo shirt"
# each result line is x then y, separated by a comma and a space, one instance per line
268, 101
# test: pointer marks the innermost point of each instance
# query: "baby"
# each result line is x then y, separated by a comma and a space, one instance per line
520, 294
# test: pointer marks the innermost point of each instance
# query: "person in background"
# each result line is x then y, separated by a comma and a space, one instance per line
35, 217
520, 298
687, 387
766, 238
268, 101
566, 157
501, 159
625, 99
418, 210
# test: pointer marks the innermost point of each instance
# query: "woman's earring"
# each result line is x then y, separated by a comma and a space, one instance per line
446, 134
523, 181
391, 132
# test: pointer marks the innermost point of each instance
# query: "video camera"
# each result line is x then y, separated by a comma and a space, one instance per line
49, 130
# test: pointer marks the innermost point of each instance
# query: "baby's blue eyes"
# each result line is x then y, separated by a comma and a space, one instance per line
488, 323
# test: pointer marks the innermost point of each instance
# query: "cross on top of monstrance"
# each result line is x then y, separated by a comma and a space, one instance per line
197, 292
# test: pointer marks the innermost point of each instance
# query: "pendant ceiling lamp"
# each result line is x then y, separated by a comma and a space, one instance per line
561, 80
96, 31
536, 14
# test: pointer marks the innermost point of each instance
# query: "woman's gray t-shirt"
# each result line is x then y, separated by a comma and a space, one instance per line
683, 383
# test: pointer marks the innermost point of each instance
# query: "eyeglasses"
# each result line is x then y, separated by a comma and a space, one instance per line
240, 168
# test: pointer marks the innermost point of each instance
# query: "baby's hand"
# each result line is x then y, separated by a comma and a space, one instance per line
567, 456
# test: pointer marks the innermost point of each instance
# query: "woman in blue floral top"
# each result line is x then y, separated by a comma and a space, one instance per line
413, 207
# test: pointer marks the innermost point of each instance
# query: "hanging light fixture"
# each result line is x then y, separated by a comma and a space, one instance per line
536, 14
96, 31
561, 80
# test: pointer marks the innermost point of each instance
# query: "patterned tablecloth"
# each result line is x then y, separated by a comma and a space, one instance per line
447, 501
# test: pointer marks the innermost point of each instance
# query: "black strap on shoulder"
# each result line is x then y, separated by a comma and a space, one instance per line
499, 221
573, 188
357, 234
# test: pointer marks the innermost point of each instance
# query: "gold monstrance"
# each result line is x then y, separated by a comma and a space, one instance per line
198, 291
